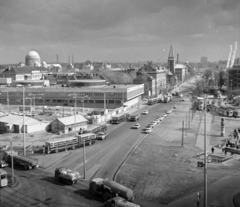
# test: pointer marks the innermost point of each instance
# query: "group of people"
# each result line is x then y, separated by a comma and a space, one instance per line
236, 134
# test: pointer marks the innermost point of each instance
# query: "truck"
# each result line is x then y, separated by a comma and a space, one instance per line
119, 202
108, 189
66, 175
134, 117
27, 163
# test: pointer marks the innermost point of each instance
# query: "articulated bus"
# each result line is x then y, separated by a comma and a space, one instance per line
119, 118
96, 129
69, 142
3, 178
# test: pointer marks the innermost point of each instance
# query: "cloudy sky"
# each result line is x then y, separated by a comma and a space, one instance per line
118, 30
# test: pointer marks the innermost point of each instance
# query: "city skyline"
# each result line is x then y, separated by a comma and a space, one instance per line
118, 31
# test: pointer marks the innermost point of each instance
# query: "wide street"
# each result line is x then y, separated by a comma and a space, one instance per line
39, 184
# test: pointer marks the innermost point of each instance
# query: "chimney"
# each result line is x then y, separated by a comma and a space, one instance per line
177, 58
72, 59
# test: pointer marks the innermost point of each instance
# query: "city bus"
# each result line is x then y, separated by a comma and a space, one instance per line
96, 129
3, 178
69, 142
119, 118
152, 101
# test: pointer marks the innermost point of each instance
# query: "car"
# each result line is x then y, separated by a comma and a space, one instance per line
102, 135
145, 112
119, 202
158, 120
183, 99
164, 115
155, 122
174, 106
3, 164
150, 126
147, 130
169, 111
136, 126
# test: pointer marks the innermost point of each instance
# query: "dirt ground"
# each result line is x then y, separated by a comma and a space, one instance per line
160, 170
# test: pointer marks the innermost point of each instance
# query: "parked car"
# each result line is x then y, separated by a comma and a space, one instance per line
136, 126
150, 126
169, 111
154, 122
3, 164
174, 106
145, 112
102, 135
147, 130
158, 120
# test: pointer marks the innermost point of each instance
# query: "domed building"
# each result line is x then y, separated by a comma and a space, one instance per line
32, 59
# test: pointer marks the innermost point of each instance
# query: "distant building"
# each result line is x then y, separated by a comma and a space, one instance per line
181, 72
171, 61
67, 124
157, 83
234, 78
32, 59
204, 60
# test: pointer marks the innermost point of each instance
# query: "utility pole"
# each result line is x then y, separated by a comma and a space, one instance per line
205, 156
182, 133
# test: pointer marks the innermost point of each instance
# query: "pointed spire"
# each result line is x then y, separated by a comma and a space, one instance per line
171, 55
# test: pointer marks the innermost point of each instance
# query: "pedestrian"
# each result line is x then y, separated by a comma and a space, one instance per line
212, 150
235, 134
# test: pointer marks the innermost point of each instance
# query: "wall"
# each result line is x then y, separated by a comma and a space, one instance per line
37, 127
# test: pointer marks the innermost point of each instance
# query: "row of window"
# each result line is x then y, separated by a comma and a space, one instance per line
65, 95
61, 101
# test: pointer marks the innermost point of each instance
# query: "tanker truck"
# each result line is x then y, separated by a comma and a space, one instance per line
66, 175
108, 189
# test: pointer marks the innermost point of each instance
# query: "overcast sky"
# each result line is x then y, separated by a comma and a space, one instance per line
118, 30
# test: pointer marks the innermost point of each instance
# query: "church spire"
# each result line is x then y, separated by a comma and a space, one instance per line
171, 55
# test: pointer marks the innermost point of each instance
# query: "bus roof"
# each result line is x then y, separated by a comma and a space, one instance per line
85, 135
61, 139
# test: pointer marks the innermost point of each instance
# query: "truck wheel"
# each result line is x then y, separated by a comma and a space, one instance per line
92, 191
106, 196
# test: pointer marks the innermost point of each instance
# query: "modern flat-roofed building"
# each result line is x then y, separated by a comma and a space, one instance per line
180, 72
234, 77
106, 96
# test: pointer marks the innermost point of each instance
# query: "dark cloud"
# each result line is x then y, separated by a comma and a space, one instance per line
230, 5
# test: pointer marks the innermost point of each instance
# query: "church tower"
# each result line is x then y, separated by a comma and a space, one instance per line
171, 61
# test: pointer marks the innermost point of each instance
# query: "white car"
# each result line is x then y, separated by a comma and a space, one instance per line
154, 123
169, 111
102, 135
158, 120
136, 126
147, 130
145, 112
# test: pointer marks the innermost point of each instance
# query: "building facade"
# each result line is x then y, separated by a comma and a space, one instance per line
234, 78
180, 72
108, 96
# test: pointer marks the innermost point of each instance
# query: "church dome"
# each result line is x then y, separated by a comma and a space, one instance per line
32, 58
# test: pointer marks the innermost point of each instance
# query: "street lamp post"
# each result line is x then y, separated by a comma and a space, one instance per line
205, 156
74, 95
104, 93
33, 97
30, 104
7, 99
24, 141
85, 96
